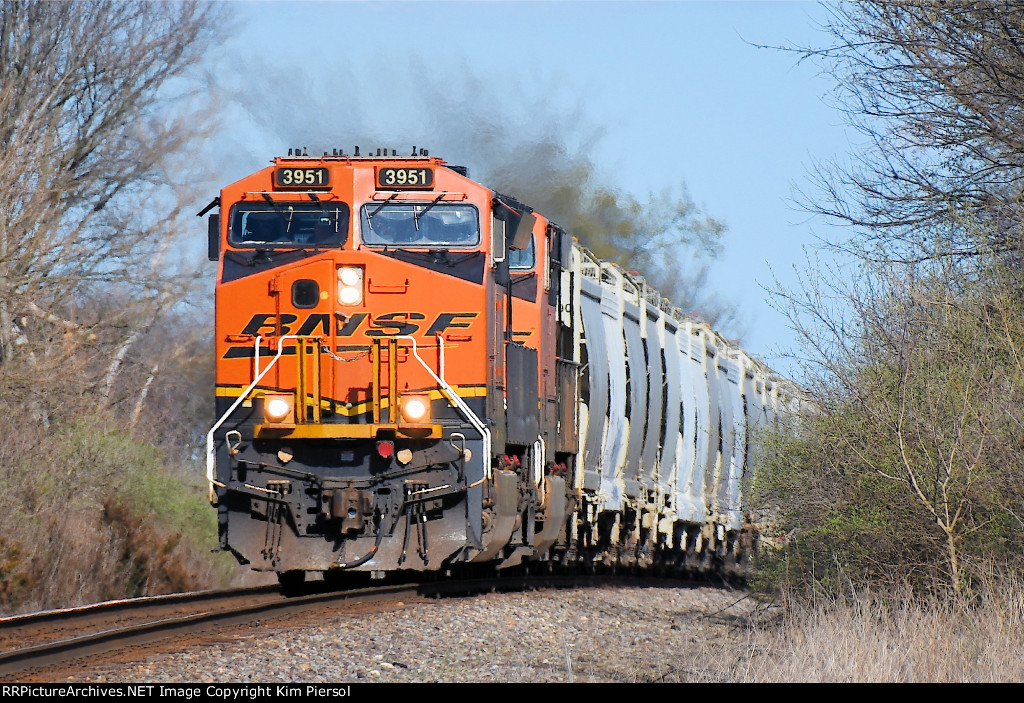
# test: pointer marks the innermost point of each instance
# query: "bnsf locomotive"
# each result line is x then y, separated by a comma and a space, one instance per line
416, 372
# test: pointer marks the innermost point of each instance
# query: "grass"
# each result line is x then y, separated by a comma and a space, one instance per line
870, 638
89, 513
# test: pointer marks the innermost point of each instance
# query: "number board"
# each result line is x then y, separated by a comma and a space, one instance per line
302, 177
404, 177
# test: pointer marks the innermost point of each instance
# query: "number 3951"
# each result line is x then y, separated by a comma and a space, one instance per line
405, 178
302, 177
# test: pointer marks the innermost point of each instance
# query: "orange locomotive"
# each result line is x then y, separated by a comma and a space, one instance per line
415, 372
386, 344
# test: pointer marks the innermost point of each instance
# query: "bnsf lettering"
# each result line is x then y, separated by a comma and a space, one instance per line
386, 325
394, 323
316, 322
351, 325
448, 319
263, 324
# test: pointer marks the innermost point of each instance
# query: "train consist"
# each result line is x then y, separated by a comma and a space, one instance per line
415, 372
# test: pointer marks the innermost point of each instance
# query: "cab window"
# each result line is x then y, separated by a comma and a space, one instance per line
291, 225
430, 225
522, 259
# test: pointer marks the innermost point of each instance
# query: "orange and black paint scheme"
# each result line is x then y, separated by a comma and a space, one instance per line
387, 340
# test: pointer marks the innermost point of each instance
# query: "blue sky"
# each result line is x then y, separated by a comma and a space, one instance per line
660, 92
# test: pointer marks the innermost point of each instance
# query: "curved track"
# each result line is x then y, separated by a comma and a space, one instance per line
40, 640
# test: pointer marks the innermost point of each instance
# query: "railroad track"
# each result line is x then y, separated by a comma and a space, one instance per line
33, 642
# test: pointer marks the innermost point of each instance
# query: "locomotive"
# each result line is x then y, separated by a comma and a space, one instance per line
415, 372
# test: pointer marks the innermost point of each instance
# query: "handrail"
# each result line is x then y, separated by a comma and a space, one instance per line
457, 401
211, 455
453, 397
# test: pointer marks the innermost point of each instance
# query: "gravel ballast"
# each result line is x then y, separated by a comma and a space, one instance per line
620, 634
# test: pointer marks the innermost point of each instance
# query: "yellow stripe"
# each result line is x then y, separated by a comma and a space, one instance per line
346, 431
364, 407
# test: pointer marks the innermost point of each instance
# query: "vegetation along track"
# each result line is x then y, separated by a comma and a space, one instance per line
32, 642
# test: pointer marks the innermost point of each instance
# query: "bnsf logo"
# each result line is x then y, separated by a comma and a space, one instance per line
386, 325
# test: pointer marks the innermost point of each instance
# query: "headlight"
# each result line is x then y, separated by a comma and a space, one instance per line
277, 408
350, 285
350, 276
416, 408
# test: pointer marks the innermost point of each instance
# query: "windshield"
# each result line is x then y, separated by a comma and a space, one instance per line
432, 225
301, 224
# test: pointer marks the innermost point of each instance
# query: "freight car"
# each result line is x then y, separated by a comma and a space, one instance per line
415, 372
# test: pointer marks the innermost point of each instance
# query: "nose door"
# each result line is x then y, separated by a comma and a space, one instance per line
304, 299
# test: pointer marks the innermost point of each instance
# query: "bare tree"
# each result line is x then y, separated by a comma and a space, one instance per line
89, 182
102, 109
908, 468
914, 335
937, 89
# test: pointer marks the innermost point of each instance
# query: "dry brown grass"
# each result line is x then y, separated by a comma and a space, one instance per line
89, 513
872, 638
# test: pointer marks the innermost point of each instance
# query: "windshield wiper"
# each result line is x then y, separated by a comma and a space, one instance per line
379, 208
323, 208
279, 206
416, 216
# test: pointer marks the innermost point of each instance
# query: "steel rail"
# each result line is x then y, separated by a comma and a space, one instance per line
53, 653
148, 631
68, 615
